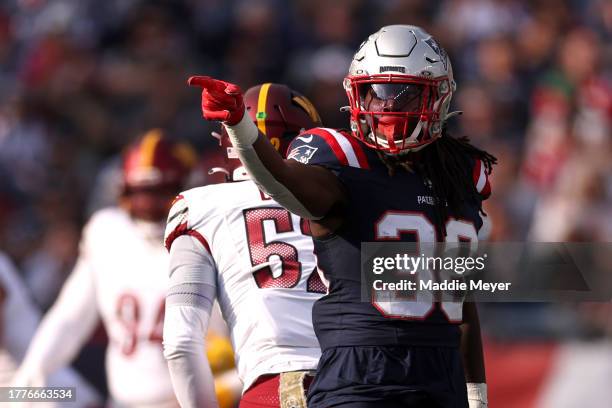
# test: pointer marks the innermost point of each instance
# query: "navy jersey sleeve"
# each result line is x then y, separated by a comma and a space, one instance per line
327, 147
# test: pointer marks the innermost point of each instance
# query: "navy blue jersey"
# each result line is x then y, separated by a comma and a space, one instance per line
380, 208
389, 377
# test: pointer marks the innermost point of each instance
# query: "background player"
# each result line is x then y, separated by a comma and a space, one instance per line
232, 242
120, 277
365, 188
19, 318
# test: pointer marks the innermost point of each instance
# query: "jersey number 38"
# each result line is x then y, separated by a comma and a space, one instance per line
389, 228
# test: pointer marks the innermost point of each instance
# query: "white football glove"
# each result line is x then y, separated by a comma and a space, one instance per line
477, 395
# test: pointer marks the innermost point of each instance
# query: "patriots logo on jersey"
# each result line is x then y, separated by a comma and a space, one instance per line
302, 154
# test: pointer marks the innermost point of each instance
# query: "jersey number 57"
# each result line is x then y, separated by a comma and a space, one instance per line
262, 250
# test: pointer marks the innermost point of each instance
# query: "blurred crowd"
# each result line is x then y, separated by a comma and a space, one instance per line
81, 79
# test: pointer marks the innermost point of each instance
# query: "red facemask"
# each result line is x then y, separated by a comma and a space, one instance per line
396, 113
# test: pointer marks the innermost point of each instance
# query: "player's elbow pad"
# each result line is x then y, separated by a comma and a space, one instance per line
243, 135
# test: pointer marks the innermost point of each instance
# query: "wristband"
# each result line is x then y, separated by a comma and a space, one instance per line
244, 133
477, 392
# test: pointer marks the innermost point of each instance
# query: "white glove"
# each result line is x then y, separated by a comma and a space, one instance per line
477, 395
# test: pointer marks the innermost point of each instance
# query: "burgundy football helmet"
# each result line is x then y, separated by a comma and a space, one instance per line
154, 171
279, 112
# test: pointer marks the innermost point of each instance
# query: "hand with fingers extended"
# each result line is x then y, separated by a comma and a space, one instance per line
220, 100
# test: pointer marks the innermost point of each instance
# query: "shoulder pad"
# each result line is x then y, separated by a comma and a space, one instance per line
178, 224
327, 146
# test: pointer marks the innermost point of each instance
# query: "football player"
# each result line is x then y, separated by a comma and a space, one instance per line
231, 242
121, 278
396, 176
19, 317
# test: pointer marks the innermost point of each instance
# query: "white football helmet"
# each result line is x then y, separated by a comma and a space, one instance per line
399, 86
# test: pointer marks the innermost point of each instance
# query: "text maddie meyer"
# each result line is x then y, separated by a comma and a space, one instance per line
431, 285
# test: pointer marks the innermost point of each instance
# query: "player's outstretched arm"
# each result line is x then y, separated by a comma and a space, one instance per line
473, 359
308, 191
64, 329
2, 300
189, 302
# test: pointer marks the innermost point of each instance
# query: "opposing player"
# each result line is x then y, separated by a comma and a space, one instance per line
231, 242
396, 176
121, 278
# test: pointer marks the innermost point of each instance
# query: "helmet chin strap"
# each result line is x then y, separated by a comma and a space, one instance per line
416, 131
421, 124
454, 113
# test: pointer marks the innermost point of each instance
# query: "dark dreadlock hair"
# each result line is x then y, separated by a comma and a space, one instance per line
447, 163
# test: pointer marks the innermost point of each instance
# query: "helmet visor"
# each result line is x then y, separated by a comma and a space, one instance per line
394, 97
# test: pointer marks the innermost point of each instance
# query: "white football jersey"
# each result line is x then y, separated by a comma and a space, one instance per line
128, 267
267, 280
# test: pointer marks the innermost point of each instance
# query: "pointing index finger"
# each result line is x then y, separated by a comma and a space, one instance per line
232, 89
204, 82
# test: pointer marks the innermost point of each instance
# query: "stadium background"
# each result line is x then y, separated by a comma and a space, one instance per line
80, 79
